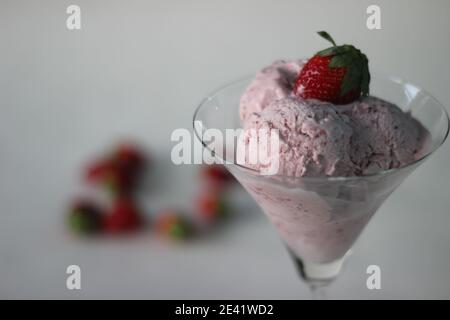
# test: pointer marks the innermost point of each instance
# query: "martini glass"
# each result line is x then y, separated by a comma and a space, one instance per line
318, 218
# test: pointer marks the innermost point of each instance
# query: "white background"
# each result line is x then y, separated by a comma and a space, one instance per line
138, 69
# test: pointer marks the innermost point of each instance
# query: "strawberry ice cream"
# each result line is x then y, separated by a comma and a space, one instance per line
319, 224
270, 84
321, 139
320, 219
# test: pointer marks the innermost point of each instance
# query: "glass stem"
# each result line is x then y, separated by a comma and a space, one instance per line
318, 290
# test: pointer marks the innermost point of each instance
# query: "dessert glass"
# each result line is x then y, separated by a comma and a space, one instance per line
319, 218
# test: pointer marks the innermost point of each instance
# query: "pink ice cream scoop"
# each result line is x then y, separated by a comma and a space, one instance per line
384, 137
313, 138
272, 83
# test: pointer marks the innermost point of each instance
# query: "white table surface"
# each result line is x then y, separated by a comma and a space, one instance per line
138, 69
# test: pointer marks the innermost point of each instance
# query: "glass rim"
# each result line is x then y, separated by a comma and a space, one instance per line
380, 173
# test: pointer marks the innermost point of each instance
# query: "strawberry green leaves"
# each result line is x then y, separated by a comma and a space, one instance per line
326, 36
357, 76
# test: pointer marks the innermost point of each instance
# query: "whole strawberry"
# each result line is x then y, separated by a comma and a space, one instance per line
120, 172
339, 74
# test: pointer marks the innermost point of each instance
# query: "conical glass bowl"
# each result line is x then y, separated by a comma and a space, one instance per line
319, 218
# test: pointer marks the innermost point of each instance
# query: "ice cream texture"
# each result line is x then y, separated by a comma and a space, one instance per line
322, 139
270, 84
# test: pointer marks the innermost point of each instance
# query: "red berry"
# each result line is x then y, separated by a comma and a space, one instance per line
97, 171
339, 74
211, 206
118, 181
318, 81
85, 217
109, 174
123, 216
129, 158
217, 174
118, 173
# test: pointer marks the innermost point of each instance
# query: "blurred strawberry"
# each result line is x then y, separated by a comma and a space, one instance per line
97, 170
217, 175
129, 158
119, 172
173, 224
118, 182
123, 216
211, 206
107, 173
85, 217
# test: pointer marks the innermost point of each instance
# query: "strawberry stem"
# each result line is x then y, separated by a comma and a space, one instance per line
326, 36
